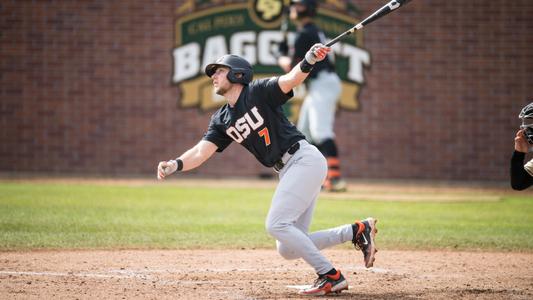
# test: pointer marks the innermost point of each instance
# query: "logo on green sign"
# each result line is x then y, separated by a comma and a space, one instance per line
252, 30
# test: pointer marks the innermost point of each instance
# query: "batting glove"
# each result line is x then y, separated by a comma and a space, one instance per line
316, 53
166, 168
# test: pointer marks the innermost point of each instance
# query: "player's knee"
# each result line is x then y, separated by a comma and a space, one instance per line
286, 252
275, 229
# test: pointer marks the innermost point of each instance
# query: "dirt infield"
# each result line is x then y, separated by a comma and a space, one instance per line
259, 274
263, 274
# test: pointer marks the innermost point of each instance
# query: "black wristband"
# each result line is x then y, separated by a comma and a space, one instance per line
180, 164
305, 66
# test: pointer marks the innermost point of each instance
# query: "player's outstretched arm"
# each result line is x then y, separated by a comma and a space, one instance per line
521, 179
189, 160
300, 72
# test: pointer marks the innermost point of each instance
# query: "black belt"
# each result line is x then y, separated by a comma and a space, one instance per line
278, 165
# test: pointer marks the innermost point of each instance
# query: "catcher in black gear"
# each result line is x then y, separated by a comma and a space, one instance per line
522, 175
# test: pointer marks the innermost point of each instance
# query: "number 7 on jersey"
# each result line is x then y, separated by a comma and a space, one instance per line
264, 133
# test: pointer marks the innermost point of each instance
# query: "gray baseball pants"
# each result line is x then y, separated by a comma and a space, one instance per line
292, 209
317, 114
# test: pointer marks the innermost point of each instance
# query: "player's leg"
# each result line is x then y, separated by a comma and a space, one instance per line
321, 101
323, 95
299, 186
361, 234
322, 239
302, 223
295, 197
334, 181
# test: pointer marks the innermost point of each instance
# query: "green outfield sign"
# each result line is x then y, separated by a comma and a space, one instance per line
205, 31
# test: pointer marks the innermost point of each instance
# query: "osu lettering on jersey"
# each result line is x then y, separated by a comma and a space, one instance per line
257, 122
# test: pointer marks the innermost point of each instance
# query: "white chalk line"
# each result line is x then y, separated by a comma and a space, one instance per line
306, 286
69, 274
148, 274
275, 270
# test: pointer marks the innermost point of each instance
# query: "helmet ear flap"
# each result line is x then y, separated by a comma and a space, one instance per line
240, 75
232, 76
236, 65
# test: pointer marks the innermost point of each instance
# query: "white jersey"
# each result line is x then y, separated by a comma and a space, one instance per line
529, 167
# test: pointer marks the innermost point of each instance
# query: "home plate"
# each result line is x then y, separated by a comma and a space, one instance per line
377, 270
302, 287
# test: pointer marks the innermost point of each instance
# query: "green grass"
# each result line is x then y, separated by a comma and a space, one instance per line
58, 216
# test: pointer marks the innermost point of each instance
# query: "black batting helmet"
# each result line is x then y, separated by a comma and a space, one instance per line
310, 7
236, 65
527, 121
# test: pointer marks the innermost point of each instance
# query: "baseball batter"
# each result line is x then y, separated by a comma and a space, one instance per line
253, 117
522, 175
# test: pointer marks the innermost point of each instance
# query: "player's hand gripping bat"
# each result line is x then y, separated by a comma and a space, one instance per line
387, 8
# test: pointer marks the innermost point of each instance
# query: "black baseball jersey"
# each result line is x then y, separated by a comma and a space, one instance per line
305, 38
257, 122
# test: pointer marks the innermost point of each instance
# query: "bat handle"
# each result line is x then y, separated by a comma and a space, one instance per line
347, 32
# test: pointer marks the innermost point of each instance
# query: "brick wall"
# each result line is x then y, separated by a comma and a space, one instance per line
85, 87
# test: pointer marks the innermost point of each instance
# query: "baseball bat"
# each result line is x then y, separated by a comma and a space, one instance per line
387, 8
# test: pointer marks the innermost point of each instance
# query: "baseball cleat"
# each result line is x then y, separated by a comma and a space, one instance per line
364, 234
335, 185
326, 284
